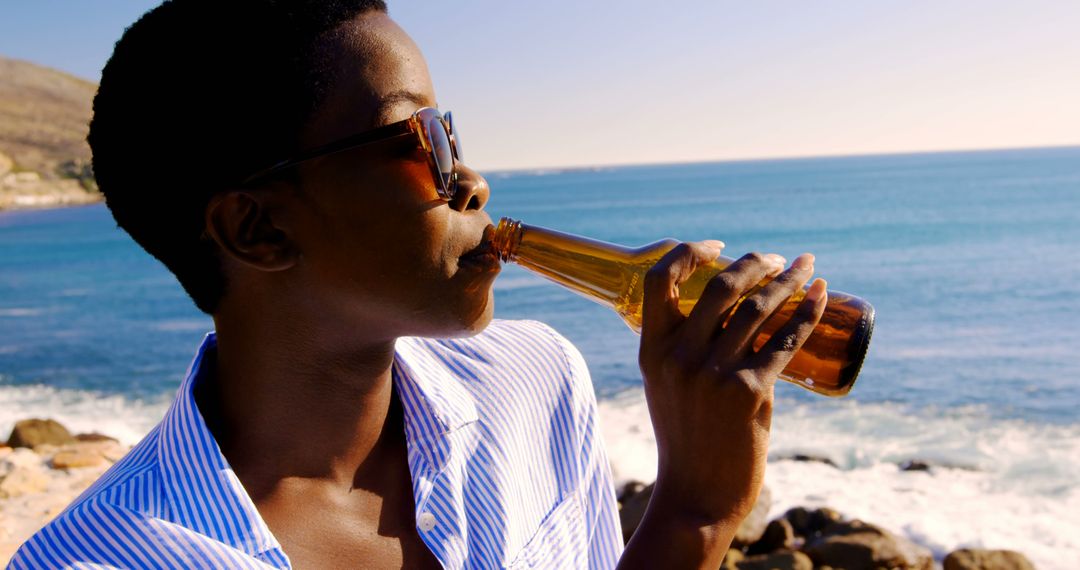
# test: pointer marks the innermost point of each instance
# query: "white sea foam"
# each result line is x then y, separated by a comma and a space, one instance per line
81, 411
1011, 485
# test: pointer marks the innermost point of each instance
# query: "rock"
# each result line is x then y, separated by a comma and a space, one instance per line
6, 164
978, 559
809, 523
753, 526
628, 491
780, 560
94, 437
19, 459
855, 544
34, 432
73, 459
23, 481
750, 530
732, 559
87, 454
778, 536
46, 449
808, 459
915, 465
633, 510
27, 178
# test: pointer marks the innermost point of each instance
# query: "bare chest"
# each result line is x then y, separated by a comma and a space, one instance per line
322, 536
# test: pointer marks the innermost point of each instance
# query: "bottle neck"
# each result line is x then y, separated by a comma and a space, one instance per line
506, 238
589, 267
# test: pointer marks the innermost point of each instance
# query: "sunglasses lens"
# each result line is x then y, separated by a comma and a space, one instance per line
442, 152
455, 135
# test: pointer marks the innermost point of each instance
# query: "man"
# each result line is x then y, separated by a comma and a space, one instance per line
357, 407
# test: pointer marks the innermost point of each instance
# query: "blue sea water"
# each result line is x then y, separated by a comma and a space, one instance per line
972, 261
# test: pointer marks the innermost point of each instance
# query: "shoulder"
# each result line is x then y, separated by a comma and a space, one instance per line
105, 521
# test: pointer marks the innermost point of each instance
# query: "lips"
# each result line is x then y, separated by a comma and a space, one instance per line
482, 256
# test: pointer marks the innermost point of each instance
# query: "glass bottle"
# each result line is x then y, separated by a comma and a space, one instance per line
613, 275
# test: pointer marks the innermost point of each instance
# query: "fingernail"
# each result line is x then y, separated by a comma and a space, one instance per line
804, 262
817, 290
714, 243
776, 258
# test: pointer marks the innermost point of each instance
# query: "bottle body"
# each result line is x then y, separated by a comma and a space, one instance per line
613, 275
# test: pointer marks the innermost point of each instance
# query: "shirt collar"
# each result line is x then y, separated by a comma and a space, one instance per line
204, 493
428, 380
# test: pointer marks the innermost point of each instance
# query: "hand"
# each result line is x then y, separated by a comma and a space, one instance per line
710, 394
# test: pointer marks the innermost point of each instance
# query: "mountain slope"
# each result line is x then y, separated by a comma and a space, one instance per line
44, 117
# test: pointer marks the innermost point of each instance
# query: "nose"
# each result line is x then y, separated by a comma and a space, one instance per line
472, 190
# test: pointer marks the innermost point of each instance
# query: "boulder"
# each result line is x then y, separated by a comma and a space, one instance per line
73, 459
977, 559
778, 536
780, 560
854, 545
732, 559
21, 473
915, 465
19, 459
750, 530
94, 437
34, 432
804, 458
87, 454
809, 523
753, 526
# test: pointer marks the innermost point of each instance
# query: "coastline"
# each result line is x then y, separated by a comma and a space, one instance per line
43, 468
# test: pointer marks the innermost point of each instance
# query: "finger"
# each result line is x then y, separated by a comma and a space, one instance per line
660, 307
724, 290
744, 325
788, 339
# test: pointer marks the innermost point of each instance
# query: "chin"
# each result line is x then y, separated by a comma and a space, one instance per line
469, 319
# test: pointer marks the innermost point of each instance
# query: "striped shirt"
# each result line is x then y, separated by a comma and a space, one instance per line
507, 464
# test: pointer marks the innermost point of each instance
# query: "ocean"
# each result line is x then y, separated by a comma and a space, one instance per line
972, 261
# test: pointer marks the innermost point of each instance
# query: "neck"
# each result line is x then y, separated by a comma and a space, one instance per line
287, 402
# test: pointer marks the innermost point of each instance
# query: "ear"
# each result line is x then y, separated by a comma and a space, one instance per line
243, 225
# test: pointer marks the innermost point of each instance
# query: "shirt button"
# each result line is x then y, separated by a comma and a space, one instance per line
427, 522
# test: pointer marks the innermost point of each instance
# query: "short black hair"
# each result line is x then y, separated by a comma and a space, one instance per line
198, 94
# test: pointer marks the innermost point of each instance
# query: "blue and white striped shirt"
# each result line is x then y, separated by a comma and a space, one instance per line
507, 464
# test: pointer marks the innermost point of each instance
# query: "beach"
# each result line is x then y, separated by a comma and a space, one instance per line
960, 432
806, 498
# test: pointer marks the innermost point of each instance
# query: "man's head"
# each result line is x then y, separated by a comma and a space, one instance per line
198, 95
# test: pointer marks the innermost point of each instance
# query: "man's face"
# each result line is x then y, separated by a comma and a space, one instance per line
378, 247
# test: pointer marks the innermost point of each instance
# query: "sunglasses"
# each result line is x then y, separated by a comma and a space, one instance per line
434, 132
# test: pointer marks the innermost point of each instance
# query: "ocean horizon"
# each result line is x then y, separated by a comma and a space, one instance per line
971, 259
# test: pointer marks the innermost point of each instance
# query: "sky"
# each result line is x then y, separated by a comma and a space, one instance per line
566, 83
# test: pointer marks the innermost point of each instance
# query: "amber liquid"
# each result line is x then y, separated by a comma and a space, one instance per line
613, 275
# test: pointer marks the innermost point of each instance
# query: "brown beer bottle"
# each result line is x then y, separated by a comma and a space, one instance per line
613, 275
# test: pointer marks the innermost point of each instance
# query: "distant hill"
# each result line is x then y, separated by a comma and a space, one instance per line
44, 119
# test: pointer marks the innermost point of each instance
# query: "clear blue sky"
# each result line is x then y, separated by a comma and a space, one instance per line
561, 82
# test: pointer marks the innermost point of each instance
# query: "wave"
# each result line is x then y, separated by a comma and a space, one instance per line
82, 411
993, 484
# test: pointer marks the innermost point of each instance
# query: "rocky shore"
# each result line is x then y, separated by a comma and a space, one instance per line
43, 467
28, 189
822, 539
